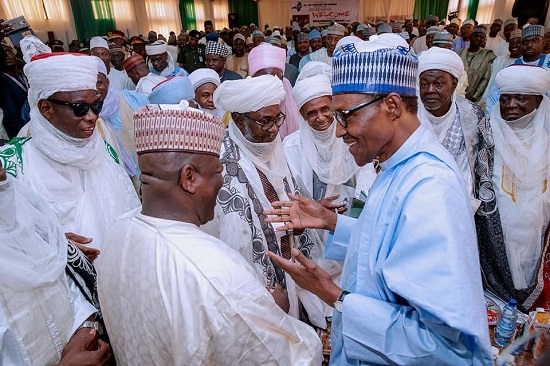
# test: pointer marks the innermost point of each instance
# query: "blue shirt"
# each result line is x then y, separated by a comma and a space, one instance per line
412, 267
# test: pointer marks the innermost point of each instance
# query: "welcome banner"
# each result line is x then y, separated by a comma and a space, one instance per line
321, 13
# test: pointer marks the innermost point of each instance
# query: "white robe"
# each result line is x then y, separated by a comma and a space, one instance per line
120, 80
192, 301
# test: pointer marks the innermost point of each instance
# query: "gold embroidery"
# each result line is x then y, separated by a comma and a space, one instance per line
509, 183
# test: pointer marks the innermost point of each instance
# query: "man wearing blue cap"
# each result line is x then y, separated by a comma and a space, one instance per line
315, 40
411, 290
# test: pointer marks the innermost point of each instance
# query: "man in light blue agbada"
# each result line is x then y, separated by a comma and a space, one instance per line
411, 290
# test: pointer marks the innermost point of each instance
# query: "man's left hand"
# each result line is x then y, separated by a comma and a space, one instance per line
309, 276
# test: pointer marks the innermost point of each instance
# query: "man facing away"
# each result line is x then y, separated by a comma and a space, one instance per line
411, 289
198, 301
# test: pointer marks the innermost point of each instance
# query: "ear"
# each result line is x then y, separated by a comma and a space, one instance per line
238, 119
45, 108
188, 178
394, 105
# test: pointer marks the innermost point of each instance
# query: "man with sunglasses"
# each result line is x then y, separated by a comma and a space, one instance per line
411, 289
256, 173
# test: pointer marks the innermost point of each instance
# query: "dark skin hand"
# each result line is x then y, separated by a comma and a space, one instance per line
309, 276
77, 351
81, 242
280, 295
4, 30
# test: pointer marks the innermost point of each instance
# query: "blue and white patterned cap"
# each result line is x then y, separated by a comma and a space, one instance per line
380, 66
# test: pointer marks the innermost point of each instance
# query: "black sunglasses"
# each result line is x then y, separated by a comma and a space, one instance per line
80, 109
341, 116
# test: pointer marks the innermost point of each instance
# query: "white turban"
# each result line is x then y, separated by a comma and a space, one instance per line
250, 94
156, 48
101, 68
315, 68
523, 79
51, 73
31, 46
437, 58
98, 42
310, 88
202, 76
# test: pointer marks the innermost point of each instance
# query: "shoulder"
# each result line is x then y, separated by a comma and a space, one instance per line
292, 140
11, 155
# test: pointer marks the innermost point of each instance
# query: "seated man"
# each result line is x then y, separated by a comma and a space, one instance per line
205, 82
161, 61
216, 54
521, 130
198, 302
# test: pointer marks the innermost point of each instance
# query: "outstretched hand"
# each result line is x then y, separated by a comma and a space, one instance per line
301, 213
309, 276
81, 242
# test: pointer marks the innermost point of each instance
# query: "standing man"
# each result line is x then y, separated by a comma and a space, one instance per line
477, 63
255, 174
238, 61
393, 286
510, 25
493, 39
521, 133
302, 50
334, 34
161, 61
118, 79
216, 54
191, 55
13, 92
463, 41
233, 319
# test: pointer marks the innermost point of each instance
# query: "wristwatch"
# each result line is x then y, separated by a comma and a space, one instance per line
340, 302
91, 324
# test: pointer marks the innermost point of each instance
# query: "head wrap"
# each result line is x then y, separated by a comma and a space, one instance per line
98, 42
498, 21
469, 22
131, 62
361, 27
311, 88
437, 58
257, 33
213, 37
31, 46
455, 21
516, 33
101, 68
314, 34
156, 48
250, 94
523, 79
480, 29
202, 76
239, 36
273, 40
384, 28
532, 30
215, 48
510, 21
266, 56
324, 33
337, 30
172, 90
433, 30
396, 26
276, 33
443, 38
383, 65
303, 37
315, 68
174, 129
404, 35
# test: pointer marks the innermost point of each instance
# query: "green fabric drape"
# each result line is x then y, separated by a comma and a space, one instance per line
472, 9
246, 10
187, 14
424, 8
92, 17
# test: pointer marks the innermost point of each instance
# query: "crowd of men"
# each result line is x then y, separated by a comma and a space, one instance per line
295, 196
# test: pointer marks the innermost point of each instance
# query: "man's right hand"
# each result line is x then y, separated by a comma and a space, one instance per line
76, 351
81, 242
301, 213
4, 29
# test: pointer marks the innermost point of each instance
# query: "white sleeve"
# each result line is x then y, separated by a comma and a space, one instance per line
82, 308
10, 349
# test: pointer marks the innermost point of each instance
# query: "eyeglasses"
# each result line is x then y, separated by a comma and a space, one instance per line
80, 109
341, 116
266, 124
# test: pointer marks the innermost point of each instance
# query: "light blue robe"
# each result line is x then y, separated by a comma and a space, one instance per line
412, 267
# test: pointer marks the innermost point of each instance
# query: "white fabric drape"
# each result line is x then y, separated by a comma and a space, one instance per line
164, 16
44, 16
216, 11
